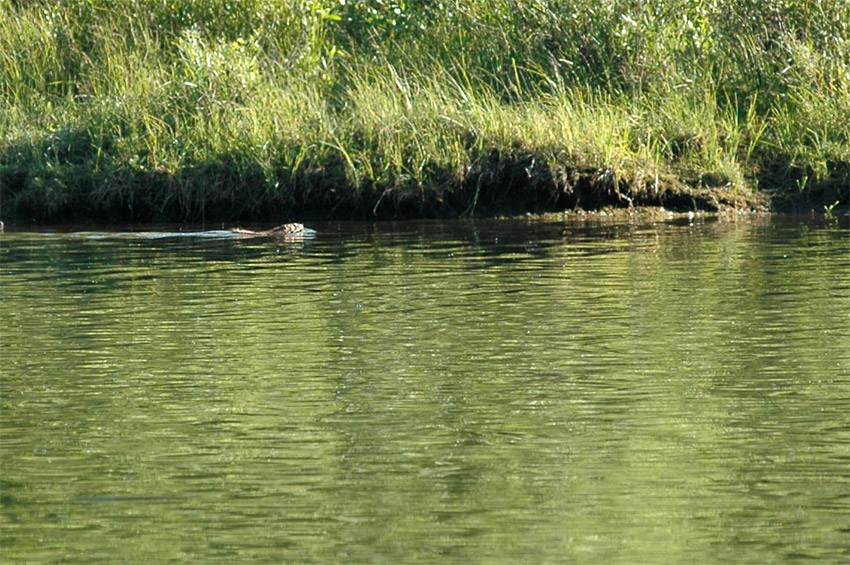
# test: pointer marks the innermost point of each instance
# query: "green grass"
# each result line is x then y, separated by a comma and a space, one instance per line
262, 109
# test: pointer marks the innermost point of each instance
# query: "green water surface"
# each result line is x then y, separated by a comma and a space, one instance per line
457, 392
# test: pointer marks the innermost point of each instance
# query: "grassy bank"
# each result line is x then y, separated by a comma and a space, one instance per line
261, 109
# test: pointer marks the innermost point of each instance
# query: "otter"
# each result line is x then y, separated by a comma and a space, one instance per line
285, 230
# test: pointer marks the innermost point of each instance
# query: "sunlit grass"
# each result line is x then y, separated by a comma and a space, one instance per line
206, 108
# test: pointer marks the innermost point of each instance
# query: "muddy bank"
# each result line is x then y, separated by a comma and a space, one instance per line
497, 186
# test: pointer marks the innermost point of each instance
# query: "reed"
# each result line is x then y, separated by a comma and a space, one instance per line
216, 110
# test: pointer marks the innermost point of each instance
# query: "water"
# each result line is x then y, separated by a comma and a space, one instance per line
461, 392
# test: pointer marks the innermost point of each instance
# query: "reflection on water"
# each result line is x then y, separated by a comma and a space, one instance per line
428, 392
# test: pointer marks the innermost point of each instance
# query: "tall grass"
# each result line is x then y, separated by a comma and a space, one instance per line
211, 109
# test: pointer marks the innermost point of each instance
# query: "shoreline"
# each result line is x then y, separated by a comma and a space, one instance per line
470, 199
605, 214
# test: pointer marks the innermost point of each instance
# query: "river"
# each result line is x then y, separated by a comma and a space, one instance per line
496, 391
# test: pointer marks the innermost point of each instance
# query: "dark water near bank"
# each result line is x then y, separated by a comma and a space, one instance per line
429, 392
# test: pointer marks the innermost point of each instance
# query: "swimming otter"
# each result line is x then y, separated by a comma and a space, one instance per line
286, 230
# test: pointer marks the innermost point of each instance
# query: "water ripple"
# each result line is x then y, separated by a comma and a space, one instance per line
466, 389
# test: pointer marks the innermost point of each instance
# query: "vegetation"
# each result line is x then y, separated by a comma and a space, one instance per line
271, 109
